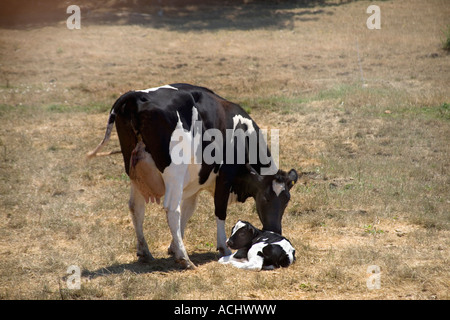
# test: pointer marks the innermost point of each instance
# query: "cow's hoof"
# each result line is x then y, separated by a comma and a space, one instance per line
223, 252
186, 264
145, 258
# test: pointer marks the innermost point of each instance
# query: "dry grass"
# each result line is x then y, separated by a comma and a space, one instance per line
375, 182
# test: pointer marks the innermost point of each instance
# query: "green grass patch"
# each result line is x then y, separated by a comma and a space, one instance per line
377, 102
8, 110
65, 108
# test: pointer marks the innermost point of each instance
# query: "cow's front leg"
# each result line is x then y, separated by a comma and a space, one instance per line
222, 238
221, 195
137, 210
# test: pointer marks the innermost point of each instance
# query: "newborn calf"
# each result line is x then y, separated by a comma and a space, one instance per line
258, 249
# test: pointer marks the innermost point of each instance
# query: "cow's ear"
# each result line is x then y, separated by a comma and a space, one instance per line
253, 172
292, 178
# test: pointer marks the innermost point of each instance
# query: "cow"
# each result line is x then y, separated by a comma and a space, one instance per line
258, 249
159, 131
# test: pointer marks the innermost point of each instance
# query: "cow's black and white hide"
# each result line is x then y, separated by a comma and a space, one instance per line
162, 131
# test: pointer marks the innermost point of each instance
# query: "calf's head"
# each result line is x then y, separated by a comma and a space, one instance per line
242, 235
272, 196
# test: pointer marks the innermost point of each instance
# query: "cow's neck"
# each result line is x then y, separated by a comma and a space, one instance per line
244, 186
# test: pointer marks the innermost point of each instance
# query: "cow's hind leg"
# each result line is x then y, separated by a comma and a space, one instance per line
187, 209
137, 210
181, 256
173, 178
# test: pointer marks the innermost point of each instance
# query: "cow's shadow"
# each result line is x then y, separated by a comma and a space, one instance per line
157, 265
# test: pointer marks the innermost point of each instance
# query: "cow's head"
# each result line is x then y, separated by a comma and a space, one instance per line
272, 196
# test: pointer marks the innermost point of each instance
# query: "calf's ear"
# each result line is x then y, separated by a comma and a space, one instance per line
251, 228
292, 178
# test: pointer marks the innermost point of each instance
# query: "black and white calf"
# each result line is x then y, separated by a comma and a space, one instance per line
258, 249
179, 139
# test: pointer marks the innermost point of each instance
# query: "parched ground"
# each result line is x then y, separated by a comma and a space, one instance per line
363, 114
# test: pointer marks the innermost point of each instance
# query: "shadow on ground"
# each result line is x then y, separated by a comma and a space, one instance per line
190, 15
158, 265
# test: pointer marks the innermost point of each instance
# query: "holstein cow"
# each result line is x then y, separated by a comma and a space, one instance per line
179, 139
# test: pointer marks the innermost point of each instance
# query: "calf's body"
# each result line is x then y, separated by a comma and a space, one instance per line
258, 249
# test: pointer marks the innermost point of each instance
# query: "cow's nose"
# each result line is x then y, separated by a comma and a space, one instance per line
229, 243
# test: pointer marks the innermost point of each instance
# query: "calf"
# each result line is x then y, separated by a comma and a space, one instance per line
258, 249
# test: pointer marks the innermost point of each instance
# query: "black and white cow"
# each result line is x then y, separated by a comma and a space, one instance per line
257, 249
158, 126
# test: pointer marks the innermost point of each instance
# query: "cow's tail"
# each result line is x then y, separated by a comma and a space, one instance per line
109, 127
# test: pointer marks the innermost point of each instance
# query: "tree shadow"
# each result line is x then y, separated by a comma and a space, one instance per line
157, 265
210, 17
178, 15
